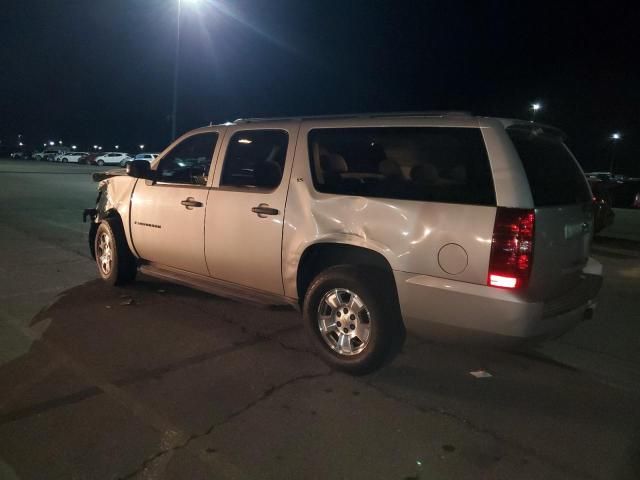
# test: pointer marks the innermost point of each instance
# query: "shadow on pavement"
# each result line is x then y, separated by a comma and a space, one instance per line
160, 381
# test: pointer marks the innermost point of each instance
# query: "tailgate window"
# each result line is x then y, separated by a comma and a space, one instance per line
554, 175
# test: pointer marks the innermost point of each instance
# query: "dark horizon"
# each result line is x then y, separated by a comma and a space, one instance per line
91, 73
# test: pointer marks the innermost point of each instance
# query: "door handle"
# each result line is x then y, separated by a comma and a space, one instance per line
264, 209
190, 202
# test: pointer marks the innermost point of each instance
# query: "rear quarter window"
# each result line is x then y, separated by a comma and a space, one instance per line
438, 164
555, 178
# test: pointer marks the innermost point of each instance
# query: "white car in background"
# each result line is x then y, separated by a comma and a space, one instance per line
113, 158
71, 157
58, 156
46, 154
149, 157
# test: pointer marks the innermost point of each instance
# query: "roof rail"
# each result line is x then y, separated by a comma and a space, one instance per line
426, 113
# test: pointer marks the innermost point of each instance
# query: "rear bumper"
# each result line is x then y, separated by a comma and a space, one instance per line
458, 311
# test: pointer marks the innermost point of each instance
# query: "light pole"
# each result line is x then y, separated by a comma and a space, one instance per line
615, 138
175, 74
176, 70
534, 109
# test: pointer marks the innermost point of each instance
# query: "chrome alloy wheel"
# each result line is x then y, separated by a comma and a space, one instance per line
344, 321
104, 253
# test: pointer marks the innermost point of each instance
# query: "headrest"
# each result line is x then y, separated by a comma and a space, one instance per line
389, 168
333, 163
459, 174
269, 174
425, 173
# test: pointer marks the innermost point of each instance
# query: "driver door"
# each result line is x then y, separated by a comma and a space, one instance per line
167, 214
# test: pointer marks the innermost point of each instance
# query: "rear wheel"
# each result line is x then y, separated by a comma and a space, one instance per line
100, 163
353, 321
116, 264
65, 160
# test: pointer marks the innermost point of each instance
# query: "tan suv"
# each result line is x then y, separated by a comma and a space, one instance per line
443, 224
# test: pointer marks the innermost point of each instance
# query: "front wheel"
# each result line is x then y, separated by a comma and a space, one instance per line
100, 163
353, 318
116, 264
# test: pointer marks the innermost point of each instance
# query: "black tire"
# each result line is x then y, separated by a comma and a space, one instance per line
122, 263
65, 160
100, 163
386, 329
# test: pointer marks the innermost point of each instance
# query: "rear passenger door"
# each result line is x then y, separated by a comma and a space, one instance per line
245, 212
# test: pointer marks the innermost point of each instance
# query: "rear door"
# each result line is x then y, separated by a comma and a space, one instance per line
245, 211
563, 208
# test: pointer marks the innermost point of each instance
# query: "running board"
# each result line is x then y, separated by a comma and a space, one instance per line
215, 286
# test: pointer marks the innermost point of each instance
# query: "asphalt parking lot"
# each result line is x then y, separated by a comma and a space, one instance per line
160, 381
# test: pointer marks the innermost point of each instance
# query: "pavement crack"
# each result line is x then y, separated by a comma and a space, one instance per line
484, 431
263, 336
261, 398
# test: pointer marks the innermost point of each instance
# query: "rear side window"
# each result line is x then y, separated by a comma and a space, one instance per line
554, 175
438, 164
255, 159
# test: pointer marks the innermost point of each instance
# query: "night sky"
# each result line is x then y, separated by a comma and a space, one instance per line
101, 71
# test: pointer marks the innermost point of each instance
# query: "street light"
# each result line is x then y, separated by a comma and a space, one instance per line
176, 67
52, 143
534, 109
73, 147
615, 137
20, 144
95, 147
141, 147
117, 147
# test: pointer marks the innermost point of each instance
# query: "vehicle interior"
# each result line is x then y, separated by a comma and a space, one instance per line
414, 164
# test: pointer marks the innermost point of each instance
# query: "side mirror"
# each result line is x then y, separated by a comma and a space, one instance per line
140, 169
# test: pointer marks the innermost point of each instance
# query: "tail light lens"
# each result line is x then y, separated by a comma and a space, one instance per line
511, 248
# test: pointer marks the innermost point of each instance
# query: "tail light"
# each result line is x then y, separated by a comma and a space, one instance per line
511, 248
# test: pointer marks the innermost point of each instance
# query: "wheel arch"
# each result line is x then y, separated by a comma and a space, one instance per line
320, 256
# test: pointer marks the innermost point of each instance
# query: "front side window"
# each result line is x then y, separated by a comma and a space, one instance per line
439, 164
189, 161
255, 159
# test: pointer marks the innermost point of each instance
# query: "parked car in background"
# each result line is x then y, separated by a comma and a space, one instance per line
46, 154
58, 156
622, 189
90, 159
20, 155
149, 157
112, 158
72, 157
603, 214
51, 157
368, 224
